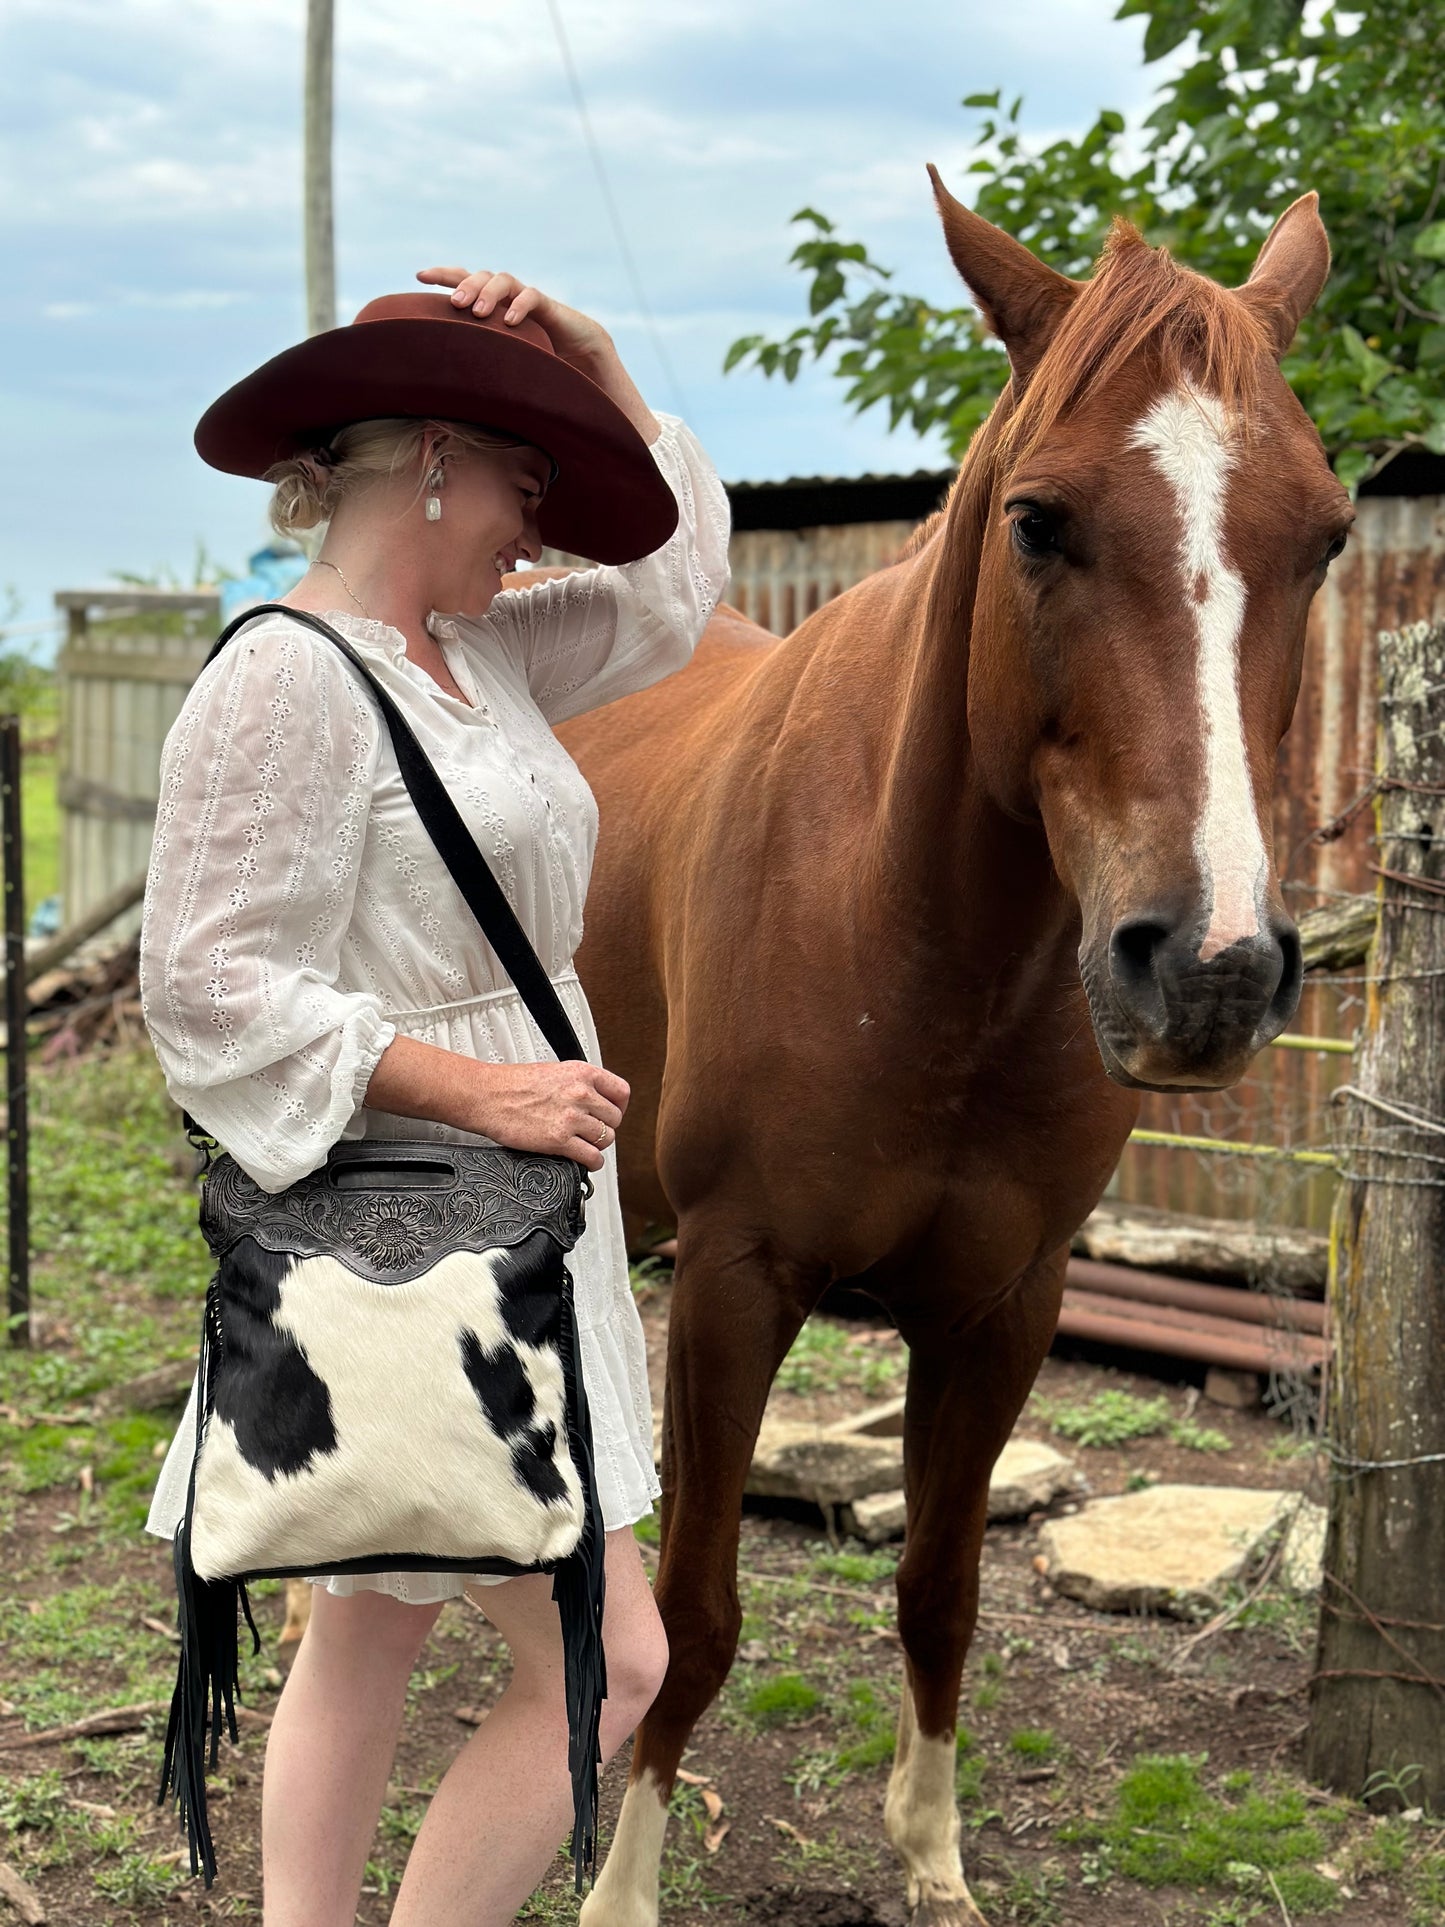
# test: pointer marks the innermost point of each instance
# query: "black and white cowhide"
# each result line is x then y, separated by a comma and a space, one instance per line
414, 1421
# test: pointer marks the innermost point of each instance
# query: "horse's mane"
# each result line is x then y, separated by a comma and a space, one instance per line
1141, 299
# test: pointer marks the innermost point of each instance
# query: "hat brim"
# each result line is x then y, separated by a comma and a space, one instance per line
609, 501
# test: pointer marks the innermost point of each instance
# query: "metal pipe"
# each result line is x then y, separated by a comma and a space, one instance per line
1253, 1354
1248, 1307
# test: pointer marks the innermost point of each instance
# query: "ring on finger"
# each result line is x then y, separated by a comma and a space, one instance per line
606, 1137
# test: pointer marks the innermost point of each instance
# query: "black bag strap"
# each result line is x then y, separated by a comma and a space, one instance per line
455, 844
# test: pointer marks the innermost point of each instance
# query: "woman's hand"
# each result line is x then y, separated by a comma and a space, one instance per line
577, 338
566, 1110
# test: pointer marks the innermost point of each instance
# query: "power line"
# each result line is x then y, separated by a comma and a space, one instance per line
605, 187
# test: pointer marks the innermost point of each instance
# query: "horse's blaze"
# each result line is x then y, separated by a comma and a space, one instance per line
1187, 435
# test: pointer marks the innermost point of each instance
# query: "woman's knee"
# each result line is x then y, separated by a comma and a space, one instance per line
636, 1667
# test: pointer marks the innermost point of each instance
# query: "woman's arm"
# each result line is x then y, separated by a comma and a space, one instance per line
565, 1110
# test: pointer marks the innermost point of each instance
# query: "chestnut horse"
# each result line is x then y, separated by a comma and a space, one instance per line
893, 918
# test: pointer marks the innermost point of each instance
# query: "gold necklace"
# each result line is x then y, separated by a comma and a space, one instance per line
327, 563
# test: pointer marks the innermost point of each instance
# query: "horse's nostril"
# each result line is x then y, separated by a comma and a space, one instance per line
1285, 1001
1134, 955
1133, 948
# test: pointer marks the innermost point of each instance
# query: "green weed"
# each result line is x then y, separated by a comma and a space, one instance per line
858, 1568
829, 1356
1032, 1899
1169, 1830
781, 1701
1034, 1743
135, 1880
36, 1803
1196, 1438
1427, 1892
1116, 1418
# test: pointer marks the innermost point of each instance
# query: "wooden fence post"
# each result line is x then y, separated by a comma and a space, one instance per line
1377, 1719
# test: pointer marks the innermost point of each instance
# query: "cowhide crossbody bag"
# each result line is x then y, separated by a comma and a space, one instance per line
391, 1375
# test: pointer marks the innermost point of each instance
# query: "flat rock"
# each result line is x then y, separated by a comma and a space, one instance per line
1302, 1556
800, 1461
1028, 1475
1172, 1549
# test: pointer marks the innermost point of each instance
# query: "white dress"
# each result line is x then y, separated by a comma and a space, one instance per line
297, 916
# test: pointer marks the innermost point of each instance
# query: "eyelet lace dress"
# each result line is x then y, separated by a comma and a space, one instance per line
297, 916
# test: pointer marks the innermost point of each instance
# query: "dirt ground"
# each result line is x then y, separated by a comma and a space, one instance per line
1059, 1706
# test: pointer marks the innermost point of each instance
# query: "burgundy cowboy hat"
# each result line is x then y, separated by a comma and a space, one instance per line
419, 355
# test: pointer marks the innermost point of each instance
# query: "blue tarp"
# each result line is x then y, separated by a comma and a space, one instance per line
273, 570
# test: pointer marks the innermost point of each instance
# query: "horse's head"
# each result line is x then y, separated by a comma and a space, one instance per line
1157, 512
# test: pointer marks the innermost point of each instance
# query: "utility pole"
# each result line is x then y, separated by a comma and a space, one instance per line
1377, 1715
320, 242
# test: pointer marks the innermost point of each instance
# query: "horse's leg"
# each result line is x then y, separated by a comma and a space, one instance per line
964, 1393
733, 1317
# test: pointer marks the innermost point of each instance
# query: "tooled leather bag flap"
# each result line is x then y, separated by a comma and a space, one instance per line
389, 1211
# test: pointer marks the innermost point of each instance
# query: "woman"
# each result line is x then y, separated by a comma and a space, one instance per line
310, 972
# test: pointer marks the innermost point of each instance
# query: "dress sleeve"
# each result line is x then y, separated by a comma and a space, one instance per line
586, 639
266, 783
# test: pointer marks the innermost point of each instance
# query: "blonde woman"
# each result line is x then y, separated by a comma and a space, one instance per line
311, 973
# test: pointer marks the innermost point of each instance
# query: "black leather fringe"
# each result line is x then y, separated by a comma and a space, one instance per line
579, 1587
208, 1614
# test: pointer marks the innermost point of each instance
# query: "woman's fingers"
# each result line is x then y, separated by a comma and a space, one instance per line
583, 1153
487, 291
607, 1084
526, 301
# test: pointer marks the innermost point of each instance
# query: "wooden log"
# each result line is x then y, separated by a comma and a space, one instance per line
1378, 1694
22, 1896
1337, 936
1273, 1256
124, 897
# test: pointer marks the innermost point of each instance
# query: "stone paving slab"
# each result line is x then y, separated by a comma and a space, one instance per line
1171, 1549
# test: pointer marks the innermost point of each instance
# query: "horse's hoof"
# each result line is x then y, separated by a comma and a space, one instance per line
946, 1910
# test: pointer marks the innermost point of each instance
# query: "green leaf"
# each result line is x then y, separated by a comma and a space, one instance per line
740, 350
1434, 438
982, 100
1353, 465
1430, 241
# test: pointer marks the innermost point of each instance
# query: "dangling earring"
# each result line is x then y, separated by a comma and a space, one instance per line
434, 501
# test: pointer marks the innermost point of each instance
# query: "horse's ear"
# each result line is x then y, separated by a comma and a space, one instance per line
1023, 302
1290, 270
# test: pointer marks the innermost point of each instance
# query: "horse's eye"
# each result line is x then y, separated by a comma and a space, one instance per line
1336, 548
1035, 533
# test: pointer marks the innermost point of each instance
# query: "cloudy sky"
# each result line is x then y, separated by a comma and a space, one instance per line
151, 232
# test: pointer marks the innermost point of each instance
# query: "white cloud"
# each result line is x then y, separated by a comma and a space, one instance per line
150, 163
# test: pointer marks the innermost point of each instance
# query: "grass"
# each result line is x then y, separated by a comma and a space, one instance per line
782, 1701
118, 1278
1169, 1830
1034, 1744
830, 1356
865, 1740
1117, 1418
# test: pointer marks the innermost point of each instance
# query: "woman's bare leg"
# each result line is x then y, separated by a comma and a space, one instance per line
329, 1754
505, 1804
